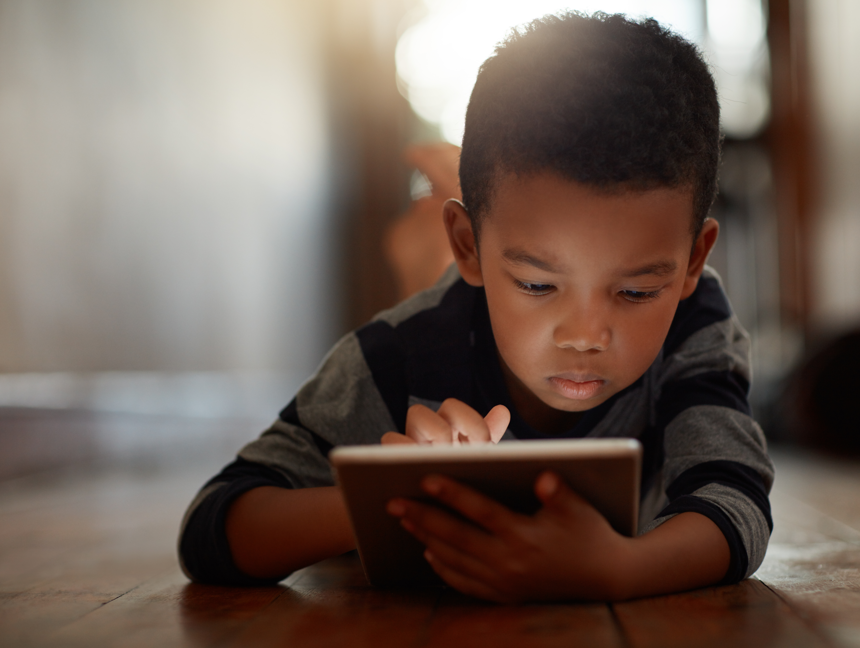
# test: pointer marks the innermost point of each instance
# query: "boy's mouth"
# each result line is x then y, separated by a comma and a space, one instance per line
577, 387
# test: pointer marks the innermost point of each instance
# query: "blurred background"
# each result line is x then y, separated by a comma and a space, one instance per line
195, 198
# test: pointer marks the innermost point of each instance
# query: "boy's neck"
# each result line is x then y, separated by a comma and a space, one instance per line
534, 411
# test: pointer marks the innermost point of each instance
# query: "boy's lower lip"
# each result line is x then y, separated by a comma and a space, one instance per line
577, 390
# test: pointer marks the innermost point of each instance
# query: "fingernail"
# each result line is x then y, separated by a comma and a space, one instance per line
550, 484
432, 486
396, 507
429, 557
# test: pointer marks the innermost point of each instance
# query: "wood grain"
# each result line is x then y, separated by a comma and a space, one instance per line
167, 611
746, 614
331, 604
813, 561
88, 558
460, 621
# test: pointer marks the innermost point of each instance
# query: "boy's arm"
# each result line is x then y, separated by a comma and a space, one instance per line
704, 453
274, 531
339, 404
686, 552
565, 551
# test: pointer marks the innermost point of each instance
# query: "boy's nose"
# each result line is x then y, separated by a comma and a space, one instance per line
583, 329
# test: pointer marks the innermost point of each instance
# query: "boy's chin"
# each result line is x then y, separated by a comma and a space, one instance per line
571, 406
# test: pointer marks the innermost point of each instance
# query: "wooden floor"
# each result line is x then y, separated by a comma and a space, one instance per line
87, 558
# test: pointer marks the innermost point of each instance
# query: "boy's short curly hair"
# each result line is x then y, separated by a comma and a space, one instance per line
602, 100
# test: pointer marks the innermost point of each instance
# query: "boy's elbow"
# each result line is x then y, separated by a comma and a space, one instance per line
204, 550
204, 563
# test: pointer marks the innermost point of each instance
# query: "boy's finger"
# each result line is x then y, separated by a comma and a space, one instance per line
497, 420
474, 567
467, 426
483, 511
395, 438
427, 522
462, 583
426, 427
556, 495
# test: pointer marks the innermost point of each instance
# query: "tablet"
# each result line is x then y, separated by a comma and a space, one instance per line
606, 472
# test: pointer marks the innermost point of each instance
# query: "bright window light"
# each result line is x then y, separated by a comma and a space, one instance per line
438, 56
736, 24
735, 42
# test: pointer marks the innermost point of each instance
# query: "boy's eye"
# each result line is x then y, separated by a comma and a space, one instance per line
639, 296
533, 288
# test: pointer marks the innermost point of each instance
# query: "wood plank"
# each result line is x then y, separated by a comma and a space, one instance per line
80, 559
822, 583
45, 527
746, 614
813, 561
331, 604
829, 484
462, 621
71, 543
797, 523
167, 611
82, 587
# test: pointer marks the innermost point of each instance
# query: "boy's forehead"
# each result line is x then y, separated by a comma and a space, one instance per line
548, 194
538, 220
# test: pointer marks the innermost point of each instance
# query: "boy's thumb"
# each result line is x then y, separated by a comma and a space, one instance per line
554, 493
497, 420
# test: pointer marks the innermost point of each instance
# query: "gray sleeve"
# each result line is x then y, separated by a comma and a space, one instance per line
715, 455
340, 404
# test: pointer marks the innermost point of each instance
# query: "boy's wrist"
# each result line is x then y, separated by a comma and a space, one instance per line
629, 569
686, 552
620, 577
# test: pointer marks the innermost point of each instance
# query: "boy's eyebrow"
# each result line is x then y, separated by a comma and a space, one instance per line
521, 257
660, 269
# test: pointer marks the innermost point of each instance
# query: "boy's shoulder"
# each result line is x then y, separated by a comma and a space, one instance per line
427, 301
706, 346
438, 318
703, 314
421, 350
706, 305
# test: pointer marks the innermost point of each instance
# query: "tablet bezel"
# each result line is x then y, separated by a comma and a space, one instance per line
604, 471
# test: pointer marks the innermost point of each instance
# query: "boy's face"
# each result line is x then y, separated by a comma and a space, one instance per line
581, 286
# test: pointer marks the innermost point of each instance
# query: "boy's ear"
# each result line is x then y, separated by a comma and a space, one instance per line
462, 241
701, 249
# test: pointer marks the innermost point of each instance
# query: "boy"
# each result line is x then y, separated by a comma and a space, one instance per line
579, 305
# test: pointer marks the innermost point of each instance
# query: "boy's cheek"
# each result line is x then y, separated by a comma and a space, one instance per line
524, 338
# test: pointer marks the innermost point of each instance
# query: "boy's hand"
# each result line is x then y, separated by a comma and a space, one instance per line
567, 550
455, 423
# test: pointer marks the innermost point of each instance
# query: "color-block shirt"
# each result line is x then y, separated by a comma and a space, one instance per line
703, 452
